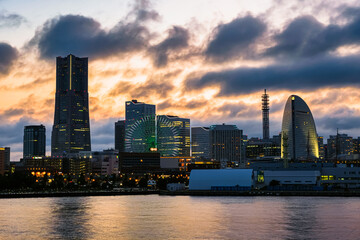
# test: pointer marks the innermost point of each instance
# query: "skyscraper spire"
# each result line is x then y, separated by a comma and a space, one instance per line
265, 115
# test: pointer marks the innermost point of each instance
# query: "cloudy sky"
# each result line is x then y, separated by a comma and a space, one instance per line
205, 60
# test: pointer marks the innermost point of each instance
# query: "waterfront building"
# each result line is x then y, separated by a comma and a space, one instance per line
105, 162
298, 134
168, 135
173, 138
226, 144
34, 141
176, 163
120, 136
43, 165
221, 179
71, 129
136, 114
200, 142
292, 177
340, 145
257, 148
4, 160
139, 162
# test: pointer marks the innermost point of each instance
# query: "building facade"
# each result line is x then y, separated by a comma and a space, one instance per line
71, 129
105, 162
34, 141
321, 147
120, 136
226, 144
200, 142
298, 135
4, 160
340, 145
139, 117
173, 138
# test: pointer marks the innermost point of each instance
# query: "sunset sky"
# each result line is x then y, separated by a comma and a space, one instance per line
204, 60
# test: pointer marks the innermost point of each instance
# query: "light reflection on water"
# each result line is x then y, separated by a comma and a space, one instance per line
180, 217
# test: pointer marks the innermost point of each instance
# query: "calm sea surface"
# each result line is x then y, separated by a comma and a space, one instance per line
180, 217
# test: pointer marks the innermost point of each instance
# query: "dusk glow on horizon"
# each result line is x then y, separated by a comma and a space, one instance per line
208, 61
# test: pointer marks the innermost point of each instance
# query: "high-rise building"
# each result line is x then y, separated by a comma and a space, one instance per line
356, 144
200, 142
340, 145
71, 129
141, 114
265, 115
177, 141
4, 160
321, 147
298, 134
135, 111
120, 135
226, 144
34, 141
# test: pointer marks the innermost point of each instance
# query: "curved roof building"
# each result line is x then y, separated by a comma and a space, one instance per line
298, 133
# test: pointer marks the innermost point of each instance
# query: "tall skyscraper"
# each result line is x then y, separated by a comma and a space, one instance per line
34, 141
265, 115
200, 142
139, 113
4, 160
225, 143
178, 141
120, 135
71, 129
298, 135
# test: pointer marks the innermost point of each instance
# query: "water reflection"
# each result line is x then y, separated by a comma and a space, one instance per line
300, 217
69, 218
181, 217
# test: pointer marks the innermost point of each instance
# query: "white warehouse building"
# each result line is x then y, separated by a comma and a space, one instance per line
292, 177
208, 179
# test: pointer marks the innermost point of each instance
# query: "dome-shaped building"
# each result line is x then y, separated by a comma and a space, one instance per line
298, 133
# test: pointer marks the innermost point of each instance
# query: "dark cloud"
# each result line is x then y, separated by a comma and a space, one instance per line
177, 39
158, 84
8, 55
8, 20
308, 75
306, 37
13, 112
84, 36
342, 123
236, 110
181, 103
142, 11
232, 40
151, 87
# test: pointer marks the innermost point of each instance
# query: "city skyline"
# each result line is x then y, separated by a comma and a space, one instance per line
181, 67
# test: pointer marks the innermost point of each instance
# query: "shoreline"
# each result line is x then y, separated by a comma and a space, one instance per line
74, 194
184, 193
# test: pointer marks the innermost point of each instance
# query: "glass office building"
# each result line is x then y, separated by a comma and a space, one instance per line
71, 129
34, 141
298, 135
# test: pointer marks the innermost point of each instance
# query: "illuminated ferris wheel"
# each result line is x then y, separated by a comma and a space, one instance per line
153, 134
